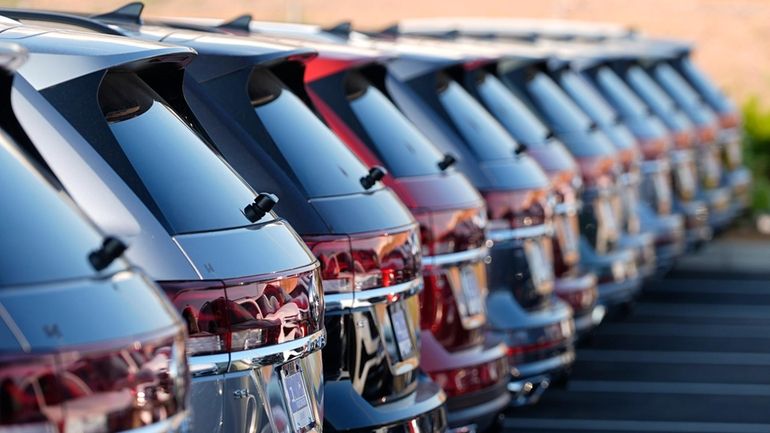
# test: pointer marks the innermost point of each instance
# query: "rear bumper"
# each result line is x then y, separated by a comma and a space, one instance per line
534, 378
739, 181
568, 287
720, 211
479, 410
178, 423
423, 410
615, 293
643, 244
588, 320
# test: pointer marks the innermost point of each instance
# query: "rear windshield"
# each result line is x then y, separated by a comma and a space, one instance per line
394, 139
514, 114
707, 88
650, 90
587, 97
556, 106
318, 159
619, 95
188, 187
488, 140
42, 238
683, 93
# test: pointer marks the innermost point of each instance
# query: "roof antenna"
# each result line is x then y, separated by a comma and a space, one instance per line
131, 12
343, 28
241, 23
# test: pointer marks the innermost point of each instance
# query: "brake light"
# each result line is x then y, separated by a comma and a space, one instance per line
517, 209
94, 389
600, 171
471, 379
706, 134
654, 148
730, 120
247, 313
683, 139
361, 262
445, 232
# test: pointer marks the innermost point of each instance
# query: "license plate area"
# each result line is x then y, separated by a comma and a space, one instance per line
401, 331
566, 234
472, 302
297, 401
540, 266
607, 225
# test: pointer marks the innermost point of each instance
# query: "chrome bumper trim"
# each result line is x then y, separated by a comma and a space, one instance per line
521, 233
474, 255
210, 365
367, 298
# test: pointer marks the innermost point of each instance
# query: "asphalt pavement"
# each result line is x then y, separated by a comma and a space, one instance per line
692, 356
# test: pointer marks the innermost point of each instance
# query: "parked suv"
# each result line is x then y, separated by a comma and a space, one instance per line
108, 116
647, 196
523, 70
573, 284
249, 97
74, 355
700, 139
347, 86
677, 54
657, 143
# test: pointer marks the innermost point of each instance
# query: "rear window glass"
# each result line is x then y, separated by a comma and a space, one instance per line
514, 114
487, 138
42, 238
556, 106
675, 85
587, 97
394, 139
193, 189
683, 93
618, 94
705, 86
650, 90
318, 159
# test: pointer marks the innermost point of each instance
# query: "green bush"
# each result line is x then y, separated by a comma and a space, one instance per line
756, 149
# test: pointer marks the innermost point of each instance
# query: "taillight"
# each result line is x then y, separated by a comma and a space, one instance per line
368, 261
94, 389
247, 313
730, 120
654, 148
445, 232
517, 209
706, 134
683, 139
470, 379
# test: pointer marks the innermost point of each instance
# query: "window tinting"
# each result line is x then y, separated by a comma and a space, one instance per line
191, 186
487, 139
556, 106
587, 97
319, 160
619, 95
42, 238
650, 91
683, 93
405, 151
708, 89
515, 116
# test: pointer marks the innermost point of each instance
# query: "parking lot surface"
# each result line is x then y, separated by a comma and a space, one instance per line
692, 356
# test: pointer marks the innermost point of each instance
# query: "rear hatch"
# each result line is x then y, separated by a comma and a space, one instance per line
74, 354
